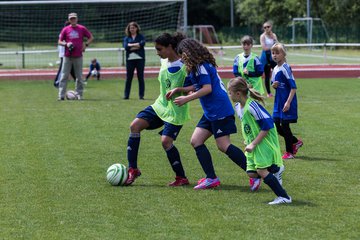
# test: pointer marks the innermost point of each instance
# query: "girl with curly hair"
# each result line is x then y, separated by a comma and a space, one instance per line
218, 118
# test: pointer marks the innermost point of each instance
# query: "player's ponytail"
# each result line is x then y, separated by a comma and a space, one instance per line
239, 84
177, 37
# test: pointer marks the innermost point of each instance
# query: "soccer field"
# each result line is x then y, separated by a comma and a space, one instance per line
54, 157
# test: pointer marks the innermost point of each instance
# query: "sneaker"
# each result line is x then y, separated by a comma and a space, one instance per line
179, 181
280, 200
297, 145
79, 97
61, 99
133, 173
270, 95
288, 155
208, 183
254, 184
201, 180
279, 173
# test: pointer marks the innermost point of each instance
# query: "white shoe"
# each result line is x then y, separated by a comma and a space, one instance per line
279, 173
280, 200
79, 97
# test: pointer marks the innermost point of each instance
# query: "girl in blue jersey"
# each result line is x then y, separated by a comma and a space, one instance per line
162, 113
218, 118
285, 103
262, 142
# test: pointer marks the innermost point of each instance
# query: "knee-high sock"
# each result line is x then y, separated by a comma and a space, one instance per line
205, 160
237, 156
133, 149
175, 161
274, 184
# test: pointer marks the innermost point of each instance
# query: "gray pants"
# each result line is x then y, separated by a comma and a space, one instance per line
77, 62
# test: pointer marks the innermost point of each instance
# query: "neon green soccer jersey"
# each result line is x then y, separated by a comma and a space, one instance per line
254, 118
166, 109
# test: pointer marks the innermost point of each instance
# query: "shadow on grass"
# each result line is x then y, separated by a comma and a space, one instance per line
298, 202
314, 158
222, 187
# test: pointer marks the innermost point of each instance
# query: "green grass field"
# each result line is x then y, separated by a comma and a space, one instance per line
54, 157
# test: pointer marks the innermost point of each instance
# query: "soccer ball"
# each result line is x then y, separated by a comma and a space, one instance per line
94, 73
71, 95
117, 174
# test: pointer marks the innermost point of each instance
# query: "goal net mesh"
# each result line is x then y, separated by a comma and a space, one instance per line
41, 23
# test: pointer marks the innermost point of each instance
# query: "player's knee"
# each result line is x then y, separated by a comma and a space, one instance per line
195, 142
135, 127
222, 148
166, 143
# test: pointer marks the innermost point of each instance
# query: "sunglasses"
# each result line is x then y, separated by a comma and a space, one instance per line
265, 27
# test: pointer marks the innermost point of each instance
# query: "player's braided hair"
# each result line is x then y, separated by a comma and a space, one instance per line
194, 53
240, 84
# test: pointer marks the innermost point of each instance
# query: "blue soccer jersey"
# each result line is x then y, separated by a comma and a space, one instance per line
284, 76
216, 105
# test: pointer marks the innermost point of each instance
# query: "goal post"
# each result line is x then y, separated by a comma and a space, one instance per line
306, 26
39, 22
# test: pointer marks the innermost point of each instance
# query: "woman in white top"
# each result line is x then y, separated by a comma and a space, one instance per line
267, 40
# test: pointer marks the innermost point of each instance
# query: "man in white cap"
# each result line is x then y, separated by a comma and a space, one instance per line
72, 37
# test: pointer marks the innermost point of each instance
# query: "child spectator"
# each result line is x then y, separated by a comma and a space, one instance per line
94, 69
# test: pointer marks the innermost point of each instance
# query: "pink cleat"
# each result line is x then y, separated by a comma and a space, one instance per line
254, 184
297, 146
288, 155
207, 183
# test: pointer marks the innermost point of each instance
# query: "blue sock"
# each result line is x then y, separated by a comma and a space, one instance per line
205, 160
133, 149
237, 156
274, 184
175, 161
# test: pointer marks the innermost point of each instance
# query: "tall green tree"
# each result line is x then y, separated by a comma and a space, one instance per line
209, 12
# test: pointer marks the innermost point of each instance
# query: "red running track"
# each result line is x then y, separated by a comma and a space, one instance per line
300, 71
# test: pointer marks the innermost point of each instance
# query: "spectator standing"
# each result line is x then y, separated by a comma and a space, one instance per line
61, 50
134, 44
72, 37
267, 40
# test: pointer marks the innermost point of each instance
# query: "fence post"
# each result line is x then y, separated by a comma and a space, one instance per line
23, 55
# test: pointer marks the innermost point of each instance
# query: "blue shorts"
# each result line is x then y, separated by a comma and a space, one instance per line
149, 115
218, 128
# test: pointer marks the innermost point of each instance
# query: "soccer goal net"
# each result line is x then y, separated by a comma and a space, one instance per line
39, 22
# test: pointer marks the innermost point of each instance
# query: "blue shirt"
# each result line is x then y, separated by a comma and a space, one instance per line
138, 39
216, 105
285, 77
97, 67
259, 68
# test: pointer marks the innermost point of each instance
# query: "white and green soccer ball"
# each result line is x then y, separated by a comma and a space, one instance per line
94, 73
117, 174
